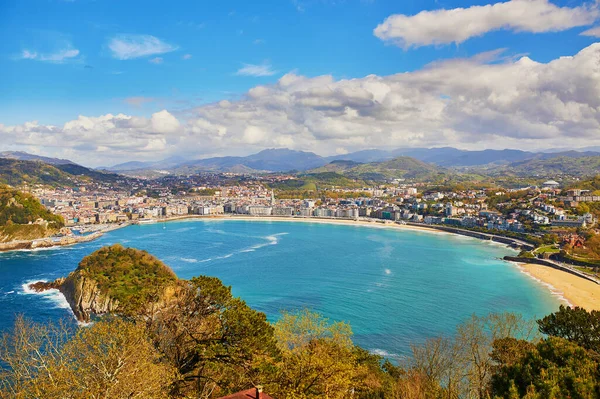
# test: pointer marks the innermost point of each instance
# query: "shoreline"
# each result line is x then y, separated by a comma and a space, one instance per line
577, 292
574, 290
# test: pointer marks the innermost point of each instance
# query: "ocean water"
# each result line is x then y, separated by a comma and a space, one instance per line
395, 287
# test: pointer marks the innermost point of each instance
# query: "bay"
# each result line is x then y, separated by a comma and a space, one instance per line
394, 286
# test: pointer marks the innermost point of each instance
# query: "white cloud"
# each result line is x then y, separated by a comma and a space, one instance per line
594, 32
256, 70
156, 60
125, 47
457, 25
186, 57
57, 57
467, 103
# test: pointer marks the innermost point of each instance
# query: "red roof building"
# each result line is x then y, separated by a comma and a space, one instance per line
252, 393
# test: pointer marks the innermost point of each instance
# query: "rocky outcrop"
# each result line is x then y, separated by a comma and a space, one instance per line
85, 298
82, 294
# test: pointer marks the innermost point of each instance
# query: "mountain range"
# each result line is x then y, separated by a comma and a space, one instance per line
284, 160
413, 163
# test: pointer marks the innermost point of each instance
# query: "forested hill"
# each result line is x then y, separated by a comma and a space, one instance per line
22, 217
17, 172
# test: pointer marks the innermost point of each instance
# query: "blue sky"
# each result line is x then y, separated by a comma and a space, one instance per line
62, 59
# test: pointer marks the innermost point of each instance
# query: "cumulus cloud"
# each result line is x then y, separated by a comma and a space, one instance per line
471, 103
459, 24
256, 70
125, 47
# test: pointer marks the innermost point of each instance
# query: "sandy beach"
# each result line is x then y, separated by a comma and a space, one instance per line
576, 290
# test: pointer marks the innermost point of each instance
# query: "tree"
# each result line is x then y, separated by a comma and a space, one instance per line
111, 359
553, 368
574, 324
217, 343
318, 359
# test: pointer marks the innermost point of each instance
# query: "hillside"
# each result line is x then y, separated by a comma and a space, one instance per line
397, 168
24, 156
317, 182
581, 166
17, 172
22, 217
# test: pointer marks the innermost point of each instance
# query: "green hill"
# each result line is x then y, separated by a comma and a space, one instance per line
397, 168
22, 217
16, 172
318, 181
132, 277
547, 168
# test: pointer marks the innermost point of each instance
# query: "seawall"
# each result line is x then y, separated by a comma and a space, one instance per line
513, 242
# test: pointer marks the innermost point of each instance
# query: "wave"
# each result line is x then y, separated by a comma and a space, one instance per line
52, 295
388, 271
271, 240
386, 354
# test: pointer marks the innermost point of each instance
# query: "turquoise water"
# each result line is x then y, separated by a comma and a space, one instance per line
395, 287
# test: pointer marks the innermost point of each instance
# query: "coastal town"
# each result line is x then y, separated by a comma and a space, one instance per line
530, 210
552, 225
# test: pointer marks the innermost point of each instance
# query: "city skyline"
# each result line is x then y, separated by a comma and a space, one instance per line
88, 82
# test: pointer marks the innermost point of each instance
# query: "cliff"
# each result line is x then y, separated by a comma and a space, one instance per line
116, 280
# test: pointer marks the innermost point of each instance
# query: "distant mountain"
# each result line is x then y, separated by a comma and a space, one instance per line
443, 156
167, 163
271, 160
16, 172
24, 156
396, 168
553, 166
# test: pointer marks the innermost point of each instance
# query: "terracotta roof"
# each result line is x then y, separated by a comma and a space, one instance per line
252, 393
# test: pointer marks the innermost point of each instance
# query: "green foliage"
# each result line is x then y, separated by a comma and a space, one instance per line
553, 368
18, 210
218, 344
22, 208
574, 324
131, 276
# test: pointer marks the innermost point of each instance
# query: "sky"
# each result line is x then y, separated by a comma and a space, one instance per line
107, 81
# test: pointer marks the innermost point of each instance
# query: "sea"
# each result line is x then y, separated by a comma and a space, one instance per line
394, 286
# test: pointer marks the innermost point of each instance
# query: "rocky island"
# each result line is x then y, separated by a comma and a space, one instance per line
115, 279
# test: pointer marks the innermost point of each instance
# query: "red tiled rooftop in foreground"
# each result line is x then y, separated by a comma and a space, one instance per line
252, 393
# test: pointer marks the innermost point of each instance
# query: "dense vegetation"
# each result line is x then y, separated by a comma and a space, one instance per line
17, 172
18, 211
206, 343
131, 276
